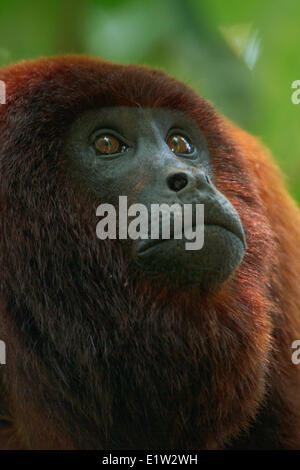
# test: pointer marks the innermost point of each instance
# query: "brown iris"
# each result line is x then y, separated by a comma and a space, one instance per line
109, 144
179, 144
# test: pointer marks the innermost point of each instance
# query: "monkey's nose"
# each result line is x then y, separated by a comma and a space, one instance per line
186, 180
177, 181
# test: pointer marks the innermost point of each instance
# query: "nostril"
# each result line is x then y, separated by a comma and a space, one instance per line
208, 180
177, 181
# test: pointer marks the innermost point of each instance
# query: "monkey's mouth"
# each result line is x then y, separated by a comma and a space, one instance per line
233, 227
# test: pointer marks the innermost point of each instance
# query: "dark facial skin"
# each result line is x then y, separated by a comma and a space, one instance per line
155, 156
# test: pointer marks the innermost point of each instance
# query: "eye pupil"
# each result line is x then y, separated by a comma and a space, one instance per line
179, 144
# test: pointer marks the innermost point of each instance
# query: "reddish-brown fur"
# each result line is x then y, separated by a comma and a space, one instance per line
98, 359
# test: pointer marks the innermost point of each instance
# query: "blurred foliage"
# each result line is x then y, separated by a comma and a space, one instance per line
242, 56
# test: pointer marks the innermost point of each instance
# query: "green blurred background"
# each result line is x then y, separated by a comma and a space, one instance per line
241, 55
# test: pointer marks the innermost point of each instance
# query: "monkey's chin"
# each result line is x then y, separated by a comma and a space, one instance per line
208, 268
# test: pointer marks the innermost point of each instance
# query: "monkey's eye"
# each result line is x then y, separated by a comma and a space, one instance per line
107, 144
179, 144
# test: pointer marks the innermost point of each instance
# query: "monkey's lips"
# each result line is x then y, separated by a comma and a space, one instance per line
233, 226
208, 267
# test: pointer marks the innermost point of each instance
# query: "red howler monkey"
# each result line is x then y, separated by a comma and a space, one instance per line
135, 344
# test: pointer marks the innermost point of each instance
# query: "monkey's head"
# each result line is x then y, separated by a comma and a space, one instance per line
143, 136
146, 137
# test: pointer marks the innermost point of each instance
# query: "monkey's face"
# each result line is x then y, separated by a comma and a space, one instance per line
156, 156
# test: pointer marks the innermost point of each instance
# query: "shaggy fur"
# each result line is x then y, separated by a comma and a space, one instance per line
99, 358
